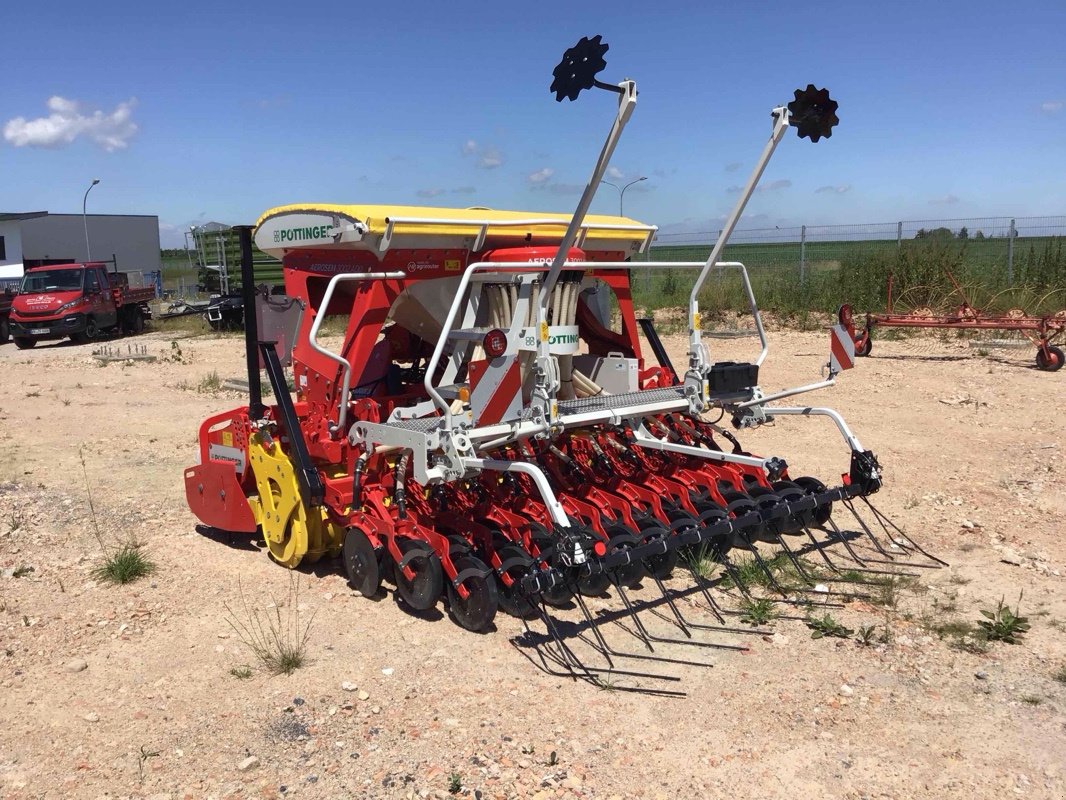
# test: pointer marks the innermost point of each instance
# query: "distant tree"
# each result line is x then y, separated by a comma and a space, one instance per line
979, 235
921, 234
963, 233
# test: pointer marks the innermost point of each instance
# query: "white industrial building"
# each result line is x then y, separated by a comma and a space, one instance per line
35, 238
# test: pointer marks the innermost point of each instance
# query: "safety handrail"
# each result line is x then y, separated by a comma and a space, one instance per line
525, 267
342, 411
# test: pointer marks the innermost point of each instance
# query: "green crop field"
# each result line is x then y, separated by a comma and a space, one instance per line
856, 272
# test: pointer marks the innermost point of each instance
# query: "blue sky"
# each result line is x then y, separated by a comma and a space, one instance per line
195, 112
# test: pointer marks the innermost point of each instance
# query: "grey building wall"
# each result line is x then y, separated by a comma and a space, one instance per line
133, 239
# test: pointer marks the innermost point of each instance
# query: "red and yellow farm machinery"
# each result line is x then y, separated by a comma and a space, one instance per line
488, 431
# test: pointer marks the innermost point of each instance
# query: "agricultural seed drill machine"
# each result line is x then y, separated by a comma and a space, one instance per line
489, 429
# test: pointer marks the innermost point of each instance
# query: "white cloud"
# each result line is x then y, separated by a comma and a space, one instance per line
842, 189
946, 200
69, 120
490, 158
429, 192
464, 190
1051, 106
773, 186
614, 172
540, 177
487, 156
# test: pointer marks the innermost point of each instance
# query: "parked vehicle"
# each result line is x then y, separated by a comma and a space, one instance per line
79, 301
5, 311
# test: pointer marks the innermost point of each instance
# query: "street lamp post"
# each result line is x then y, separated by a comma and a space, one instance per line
622, 191
85, 219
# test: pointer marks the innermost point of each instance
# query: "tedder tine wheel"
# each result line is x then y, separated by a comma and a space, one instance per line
421, 591
476, 611
515, 562
361, 563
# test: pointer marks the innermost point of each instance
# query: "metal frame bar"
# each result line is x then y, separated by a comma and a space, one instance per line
312, 338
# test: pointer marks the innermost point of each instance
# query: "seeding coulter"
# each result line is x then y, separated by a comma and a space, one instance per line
489, 430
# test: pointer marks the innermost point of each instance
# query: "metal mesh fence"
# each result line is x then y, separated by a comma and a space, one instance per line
820, 264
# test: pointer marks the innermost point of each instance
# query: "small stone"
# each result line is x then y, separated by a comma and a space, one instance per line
348, 686
298, 701
363, 694
981, 675
76, 665
1008, 556
846, 691
387, 671
249, 763
967, 525
822, 588
452, 722
92, 716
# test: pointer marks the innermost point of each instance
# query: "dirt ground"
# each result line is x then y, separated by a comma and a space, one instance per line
128, 692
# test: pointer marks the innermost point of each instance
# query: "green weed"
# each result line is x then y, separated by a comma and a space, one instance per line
827, 626
757, 612
1005, 624
125, 565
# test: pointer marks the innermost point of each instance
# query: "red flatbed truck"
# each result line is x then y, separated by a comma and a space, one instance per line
79, 301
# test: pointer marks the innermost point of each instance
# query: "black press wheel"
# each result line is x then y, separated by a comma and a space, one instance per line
560, 595
361, 563
476, 611
820, 515
660, 565
622, 538
865, 347
515, 563
422, 590
1051, 361
23, 343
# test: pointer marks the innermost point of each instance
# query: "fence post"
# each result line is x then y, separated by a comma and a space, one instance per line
1011, 233
899, 236
803, 254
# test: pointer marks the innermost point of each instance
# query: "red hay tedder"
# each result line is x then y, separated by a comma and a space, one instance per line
1043, 331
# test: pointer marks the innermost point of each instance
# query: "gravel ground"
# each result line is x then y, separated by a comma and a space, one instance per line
141, 691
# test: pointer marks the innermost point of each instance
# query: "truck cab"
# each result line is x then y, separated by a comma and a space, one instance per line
79, 301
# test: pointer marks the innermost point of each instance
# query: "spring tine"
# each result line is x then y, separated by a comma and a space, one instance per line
883, 520
644, 635
777, 587
702, 584
843, 538
569, 656
795, 561
673, 607
594, 626
850, 506
731, 569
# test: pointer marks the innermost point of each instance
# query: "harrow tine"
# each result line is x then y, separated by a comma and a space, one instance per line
701, 582
820, 547
738, 582
885, 522
680, 621
891, 559
567, 659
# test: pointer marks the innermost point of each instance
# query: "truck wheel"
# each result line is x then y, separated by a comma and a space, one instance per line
5, 331
89, 334
137, 322
24, 344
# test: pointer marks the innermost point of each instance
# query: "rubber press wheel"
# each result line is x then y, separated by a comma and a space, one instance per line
422, 590
558, 596
622, 538
476, 611
1052, 362
361, 563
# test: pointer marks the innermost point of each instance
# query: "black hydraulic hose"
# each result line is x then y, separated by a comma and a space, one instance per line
399, 492
357, 480
256, 409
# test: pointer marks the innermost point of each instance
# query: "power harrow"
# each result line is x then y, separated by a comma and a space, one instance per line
489, 432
